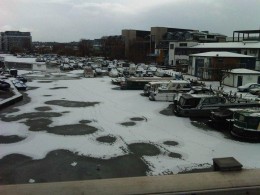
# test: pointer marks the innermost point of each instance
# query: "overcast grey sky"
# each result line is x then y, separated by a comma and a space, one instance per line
71, 20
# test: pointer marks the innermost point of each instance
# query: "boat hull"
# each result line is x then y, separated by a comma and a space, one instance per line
245, 134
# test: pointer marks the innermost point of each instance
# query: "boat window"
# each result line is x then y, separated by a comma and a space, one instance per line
253, 123
187, 86
241, 118
215, 100
206, 101
193, 102
182, 101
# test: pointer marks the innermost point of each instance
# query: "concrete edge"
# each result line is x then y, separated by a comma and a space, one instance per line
194, 183
12, 100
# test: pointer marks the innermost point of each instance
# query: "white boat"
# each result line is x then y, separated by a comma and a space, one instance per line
89, 72
113, 72
153, 86
168, 93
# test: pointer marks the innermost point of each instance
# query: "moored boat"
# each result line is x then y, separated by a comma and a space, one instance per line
246, 123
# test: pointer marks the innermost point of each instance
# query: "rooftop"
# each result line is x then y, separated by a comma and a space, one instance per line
223, 45
221, 54
244, 71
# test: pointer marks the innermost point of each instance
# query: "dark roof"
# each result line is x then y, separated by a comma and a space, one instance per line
247, 31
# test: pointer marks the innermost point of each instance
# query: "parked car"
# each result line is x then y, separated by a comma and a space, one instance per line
4, 85
255, 91
247, 87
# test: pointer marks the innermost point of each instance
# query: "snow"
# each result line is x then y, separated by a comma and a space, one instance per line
196, 146
31, 181
243, 71
11, 58
74, 164
221, 54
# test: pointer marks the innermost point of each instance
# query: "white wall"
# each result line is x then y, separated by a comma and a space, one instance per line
191, 69
172, 57
231, 80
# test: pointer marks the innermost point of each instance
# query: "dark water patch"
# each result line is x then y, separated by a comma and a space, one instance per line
74, 129
127, 124
53, 88
66, 103
6, 94
31, 115
116, 88
13, 110
47, 95
171, 143
38, 124
136, 119
107, 139
10, 139
142, 149
175, 155
43, 108
45, 81
65, 112
85, 121
32, 88
57, 167
168, 111
208, 125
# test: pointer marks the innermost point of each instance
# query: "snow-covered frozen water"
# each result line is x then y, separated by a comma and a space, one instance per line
196, 146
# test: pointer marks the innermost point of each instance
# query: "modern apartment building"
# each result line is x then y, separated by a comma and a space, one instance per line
15, 41
137, 44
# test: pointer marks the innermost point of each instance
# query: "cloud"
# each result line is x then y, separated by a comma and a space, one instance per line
71, 20
6, 28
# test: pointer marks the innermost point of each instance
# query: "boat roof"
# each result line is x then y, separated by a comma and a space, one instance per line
158, 82
244, 71
148, 79
180, 81
251, 112
190, 96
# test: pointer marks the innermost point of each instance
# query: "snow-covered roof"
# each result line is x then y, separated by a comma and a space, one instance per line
243, 71
223, 45
221, 54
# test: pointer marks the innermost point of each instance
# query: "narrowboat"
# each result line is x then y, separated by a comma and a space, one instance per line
197, 105
246, 123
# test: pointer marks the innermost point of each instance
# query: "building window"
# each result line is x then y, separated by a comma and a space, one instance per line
183, 44
171, 46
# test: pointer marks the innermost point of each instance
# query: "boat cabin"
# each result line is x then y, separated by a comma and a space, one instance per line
246, 123
153, 86
168, 92
197, 105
